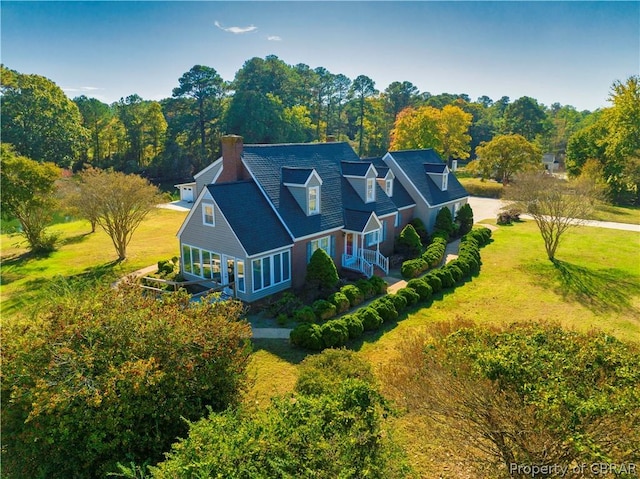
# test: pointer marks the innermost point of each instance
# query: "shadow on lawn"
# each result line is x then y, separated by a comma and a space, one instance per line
601, 290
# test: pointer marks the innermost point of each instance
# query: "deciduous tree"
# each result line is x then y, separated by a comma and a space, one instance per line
111, 376
506, 155
118, 203
556, 205
28, 188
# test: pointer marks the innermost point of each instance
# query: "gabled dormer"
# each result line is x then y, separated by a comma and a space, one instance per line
439, 174
305, 186
385, 179
362, 177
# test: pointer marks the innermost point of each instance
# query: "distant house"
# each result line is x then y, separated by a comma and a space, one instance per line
187, 191
261, 211
551, 164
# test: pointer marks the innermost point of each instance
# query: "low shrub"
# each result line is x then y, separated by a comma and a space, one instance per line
354, 325
409, 295
508, 215
399, 302
324, 373
287, 304
340, 301
483, 188
368, 290
446, 277
463, 264
304, 315
455, 272
385, 308
481, 234
434, 281
379, 284
371, 320
434, 254
282, 319
353, 294
413, 268
422, 287
324, 309
334, 333
307, 335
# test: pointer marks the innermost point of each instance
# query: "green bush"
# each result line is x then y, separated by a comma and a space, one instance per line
421, 229
324, 373
463, 264
409, 295
340, 301
434, 254
334, 333
353, 294
399, 302
446, 277
323, 309
321, 271
287, 304
371, 320
379, 284
307, 335
368, 290
483, 188
464, 218
282, 319
422, 287
354, 325
455, 272
413, 268
444, 222
481, 234
409, 243
434, 281
304, 315
385, 309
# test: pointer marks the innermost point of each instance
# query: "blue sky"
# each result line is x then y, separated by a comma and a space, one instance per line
566, 52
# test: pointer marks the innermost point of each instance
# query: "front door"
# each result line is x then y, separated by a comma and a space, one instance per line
351, 244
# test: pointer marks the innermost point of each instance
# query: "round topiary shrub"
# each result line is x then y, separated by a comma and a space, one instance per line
446, 277
307, 335
399, 302
385, 308
410, 295
321, 271
421, 287
353, 294
354, 325
379, 284
368, 290
340, 301
304, 315
413, 268
334, 333
455, 272
370, 318
434, 281
323, 309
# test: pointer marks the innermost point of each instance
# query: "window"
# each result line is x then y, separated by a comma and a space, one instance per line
270, 271
320, 243
398, 217
388, 187
186, 258
314, 200
240, 273
371, 190
445, 179
372, 238
207, 214
206, 265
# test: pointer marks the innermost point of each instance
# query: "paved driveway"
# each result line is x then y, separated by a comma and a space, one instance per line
484, 208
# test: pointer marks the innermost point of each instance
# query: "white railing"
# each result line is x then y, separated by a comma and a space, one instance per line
374, 257
357, 263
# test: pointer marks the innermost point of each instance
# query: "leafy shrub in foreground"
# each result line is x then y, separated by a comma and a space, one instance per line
379, 284
307, 335
446, 277
371, 320
434, 281
385, 309
421, 287
413, 268
368, 290
334, 333
409, 295
399, 302
354, 325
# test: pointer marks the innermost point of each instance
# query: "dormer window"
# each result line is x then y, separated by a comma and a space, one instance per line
445, 179
371, 190
388, 188
207, 214
313, 200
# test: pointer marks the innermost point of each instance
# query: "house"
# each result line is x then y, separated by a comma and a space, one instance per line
187, 191
261, 211
551, 164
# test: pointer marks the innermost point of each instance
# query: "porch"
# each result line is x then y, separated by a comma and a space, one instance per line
358, 255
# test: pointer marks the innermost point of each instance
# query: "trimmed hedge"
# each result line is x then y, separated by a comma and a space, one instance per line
379, 284
323, 309
340, 301
431, 258
336, 332
413, 268
304, 315
368, 290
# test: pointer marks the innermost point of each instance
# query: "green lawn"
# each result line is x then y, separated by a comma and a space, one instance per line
82, 255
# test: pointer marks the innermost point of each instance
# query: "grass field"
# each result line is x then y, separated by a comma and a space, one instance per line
82, 254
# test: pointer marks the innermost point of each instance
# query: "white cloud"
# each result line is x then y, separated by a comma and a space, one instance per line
274, 38
236, 30
82, 89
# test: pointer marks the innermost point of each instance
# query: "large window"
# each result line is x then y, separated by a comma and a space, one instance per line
314, 200
372, 238
371, 190
271, 270
207, 214
320, 243
208, 264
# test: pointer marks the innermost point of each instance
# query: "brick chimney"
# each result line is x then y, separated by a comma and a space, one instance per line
232, 167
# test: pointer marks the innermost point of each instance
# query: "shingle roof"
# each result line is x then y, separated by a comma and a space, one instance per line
412, 162
256, 225
377, 162
296, 176
401, 197
354, 168
438, 168
356, 220
336, 192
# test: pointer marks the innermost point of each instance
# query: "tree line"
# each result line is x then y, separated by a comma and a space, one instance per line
269, 101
